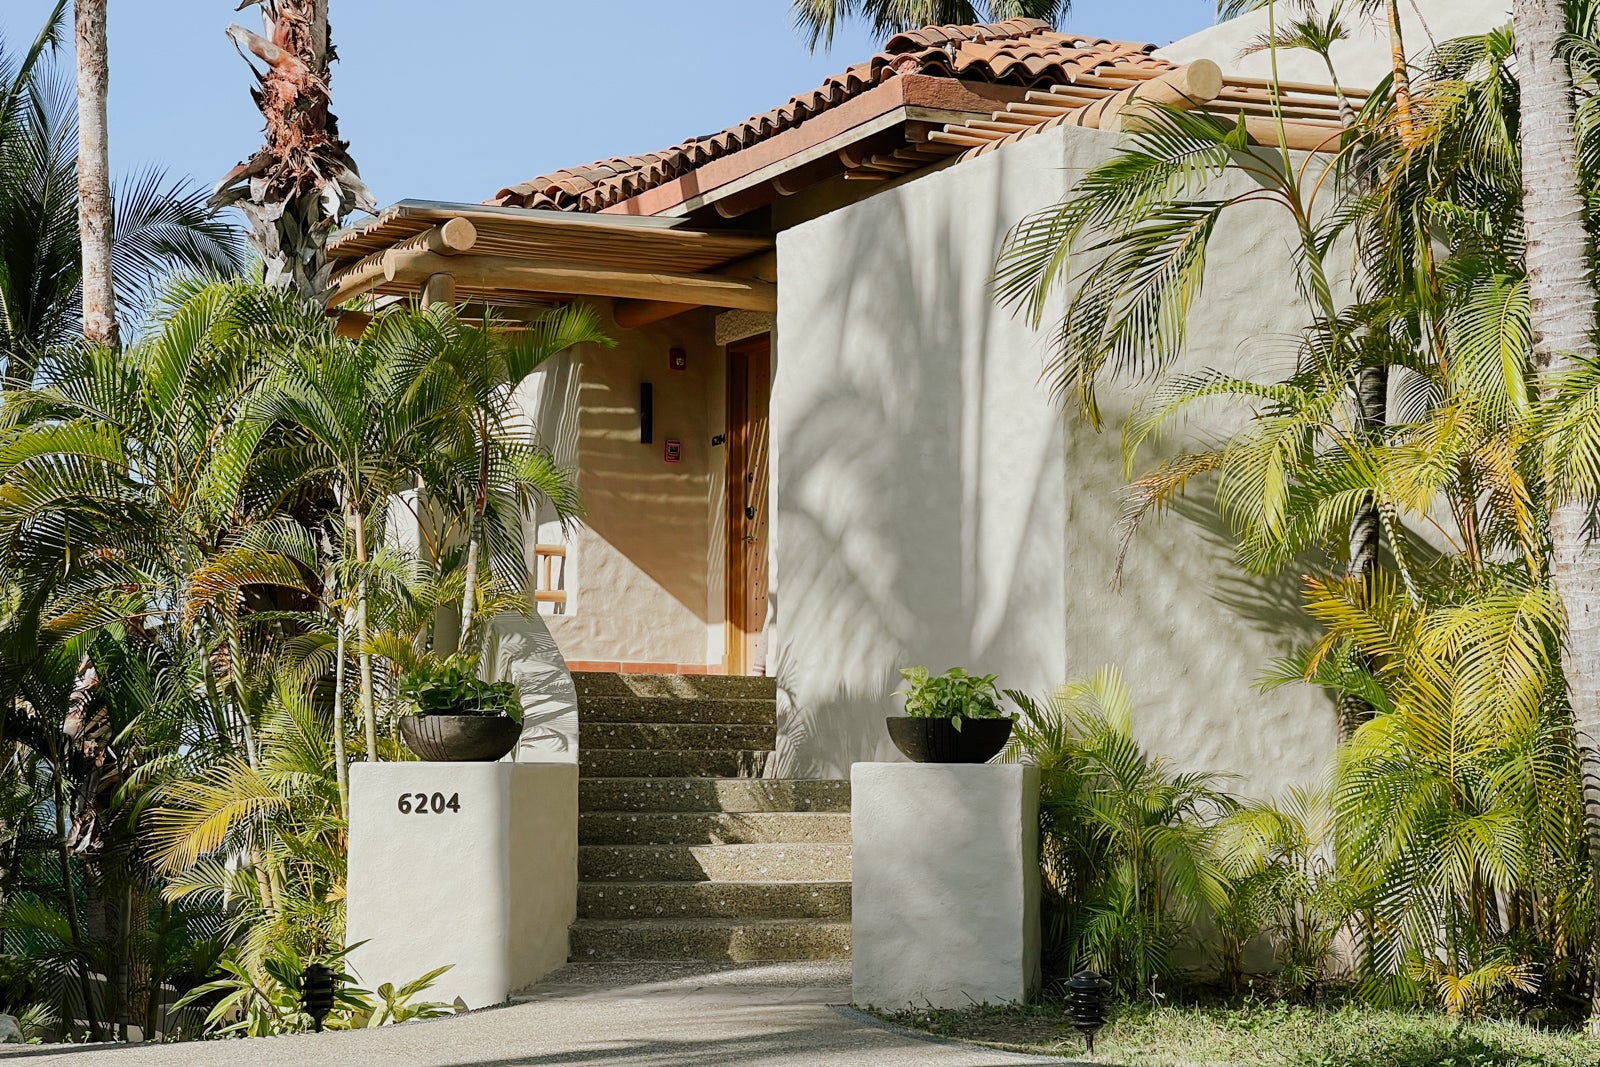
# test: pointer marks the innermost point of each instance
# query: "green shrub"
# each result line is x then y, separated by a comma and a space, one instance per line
452, 687
954, 695
1126, 840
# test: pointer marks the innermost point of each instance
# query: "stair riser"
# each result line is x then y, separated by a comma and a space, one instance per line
712, 828
656, 737
743, 944
694, 763
714, 863
711, 794
714, 900
675, 710
711, 687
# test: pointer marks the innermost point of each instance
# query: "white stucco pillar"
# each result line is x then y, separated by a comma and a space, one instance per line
946, 868
469, 864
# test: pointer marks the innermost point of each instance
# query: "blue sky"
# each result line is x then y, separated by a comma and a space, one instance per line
452, 99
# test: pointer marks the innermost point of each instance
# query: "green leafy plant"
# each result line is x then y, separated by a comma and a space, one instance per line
954, 695
451, 686
267, 1003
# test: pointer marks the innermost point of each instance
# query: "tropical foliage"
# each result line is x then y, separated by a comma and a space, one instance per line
199, 552
1456, 818
818, 19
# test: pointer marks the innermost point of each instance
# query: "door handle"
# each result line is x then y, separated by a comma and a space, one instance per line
750, 513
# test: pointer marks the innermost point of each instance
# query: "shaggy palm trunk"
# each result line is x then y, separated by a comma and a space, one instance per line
1563, 316
94, 173
302, 183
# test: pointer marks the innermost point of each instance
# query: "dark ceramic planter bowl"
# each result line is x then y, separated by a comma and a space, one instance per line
938, 741
460, 738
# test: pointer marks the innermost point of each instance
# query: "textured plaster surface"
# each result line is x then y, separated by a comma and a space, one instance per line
1362, 61
490, 889
936, 505
946, 899
640, 569
601, 1015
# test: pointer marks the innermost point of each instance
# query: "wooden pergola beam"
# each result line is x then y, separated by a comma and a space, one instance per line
449, 238
580, 279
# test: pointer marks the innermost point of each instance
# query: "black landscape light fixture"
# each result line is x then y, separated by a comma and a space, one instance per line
1086, 1005
316, 993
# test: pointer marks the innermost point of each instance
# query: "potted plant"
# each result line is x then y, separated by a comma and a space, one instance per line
954, 717
456, 716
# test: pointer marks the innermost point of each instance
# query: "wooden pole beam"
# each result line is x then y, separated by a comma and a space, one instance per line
438, 289
583, 279
351, 324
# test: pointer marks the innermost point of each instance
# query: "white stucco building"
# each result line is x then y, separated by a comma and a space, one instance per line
821, 452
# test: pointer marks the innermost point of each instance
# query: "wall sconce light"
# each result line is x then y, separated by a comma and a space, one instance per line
647, 413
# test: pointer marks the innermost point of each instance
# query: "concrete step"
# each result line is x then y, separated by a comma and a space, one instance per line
667, 736
713, 828
709, 939
672, 763
704, 687
714, 863
714, 900
712, 794
677, 710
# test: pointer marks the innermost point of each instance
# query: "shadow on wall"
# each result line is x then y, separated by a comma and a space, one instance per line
524, 652
651, 512
919, 479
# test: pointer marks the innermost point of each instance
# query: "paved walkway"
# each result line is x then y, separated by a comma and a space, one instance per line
600, 1015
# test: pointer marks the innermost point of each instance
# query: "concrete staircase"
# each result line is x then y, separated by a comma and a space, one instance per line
684, 851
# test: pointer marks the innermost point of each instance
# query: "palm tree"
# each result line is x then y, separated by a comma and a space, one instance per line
818, 19
495, 472
1561, 298
94, 173
158, 226
298, 188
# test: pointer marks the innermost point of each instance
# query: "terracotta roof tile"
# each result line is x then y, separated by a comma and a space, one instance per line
1024, 52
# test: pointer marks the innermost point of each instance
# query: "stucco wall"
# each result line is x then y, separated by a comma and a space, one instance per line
638, 567
934, 505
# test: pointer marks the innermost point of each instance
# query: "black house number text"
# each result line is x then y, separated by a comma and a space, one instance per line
429, 804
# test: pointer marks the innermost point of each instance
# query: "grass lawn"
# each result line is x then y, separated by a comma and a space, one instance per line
1265, 1033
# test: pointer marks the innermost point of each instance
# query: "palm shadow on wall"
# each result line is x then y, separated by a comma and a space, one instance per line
880, 493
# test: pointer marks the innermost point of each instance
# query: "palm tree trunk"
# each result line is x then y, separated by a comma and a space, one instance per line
369, 715
94, 173
1402, 70
1563, 316
302, 183
480, 503
341, 768
69, 894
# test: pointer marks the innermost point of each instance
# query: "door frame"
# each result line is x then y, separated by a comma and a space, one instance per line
741, 630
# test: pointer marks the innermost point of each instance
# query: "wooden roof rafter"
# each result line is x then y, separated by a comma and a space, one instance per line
512, 257
1110, 100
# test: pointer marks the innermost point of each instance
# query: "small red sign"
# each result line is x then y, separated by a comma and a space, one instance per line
680, 359
674, 452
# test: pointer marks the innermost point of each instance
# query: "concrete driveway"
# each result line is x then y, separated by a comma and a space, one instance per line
658, 1015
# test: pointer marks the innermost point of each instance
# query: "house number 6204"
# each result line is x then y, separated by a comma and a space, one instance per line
429, 803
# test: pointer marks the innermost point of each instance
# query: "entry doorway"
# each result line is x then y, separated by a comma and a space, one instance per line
749, 399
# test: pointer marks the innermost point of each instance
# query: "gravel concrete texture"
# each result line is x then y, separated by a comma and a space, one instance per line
638, 1015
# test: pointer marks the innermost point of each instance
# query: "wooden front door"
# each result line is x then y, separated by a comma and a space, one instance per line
749, 394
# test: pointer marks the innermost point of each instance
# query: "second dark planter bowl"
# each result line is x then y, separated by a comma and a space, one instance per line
460, 738
937, 741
